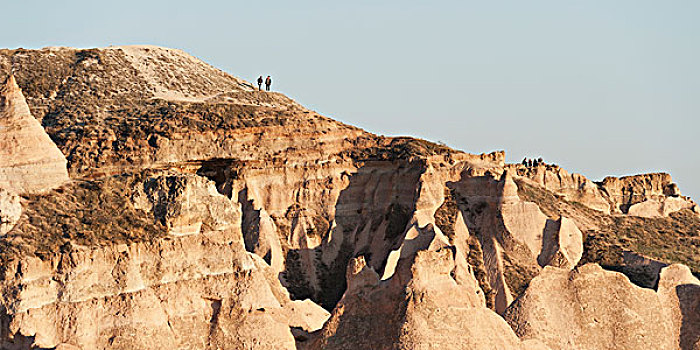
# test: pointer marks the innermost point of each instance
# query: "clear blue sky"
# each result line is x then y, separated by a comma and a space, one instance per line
599, 87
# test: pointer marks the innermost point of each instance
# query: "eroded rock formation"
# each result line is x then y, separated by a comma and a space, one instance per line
421, 304
645, 195
571, 186
679, 291
590, 308
29, 161
194, 290
204, 214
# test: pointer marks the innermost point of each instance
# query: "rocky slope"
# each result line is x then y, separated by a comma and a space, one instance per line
203, 214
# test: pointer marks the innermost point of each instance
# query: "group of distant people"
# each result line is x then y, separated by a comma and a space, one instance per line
268, 83
533, 163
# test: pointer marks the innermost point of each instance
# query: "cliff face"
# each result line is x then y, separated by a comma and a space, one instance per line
175, 274
201, 213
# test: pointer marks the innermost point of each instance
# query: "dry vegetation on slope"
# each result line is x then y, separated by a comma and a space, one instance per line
85, 213
673, 239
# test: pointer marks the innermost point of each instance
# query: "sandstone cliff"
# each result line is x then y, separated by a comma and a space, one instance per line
197, 289
205, 214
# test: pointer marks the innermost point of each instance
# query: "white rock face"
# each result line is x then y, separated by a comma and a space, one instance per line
544, 241
306, 314
526, 223
10, 211
646, 195
29, 161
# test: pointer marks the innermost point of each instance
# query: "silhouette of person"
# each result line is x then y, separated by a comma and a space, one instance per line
268, 82
525, 161
260, 81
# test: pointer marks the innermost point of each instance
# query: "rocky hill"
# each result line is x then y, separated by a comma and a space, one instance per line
151, 201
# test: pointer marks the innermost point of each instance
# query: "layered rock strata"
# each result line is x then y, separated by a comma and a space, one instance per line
133, 107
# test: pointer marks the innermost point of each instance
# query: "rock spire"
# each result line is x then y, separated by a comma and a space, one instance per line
30, 162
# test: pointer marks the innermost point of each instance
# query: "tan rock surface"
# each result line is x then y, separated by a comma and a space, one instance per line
193, 291
187, 205
421, 306
590, 308
10, 211
571, 186
29, 160
523, 220
662, 207
562, 244
94, 105
306, 315
646, 195
679, 291
636, 246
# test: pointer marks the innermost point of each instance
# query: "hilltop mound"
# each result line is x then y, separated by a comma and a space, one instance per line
201, 213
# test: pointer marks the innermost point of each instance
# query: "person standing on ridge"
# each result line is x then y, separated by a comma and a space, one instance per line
260, 83
268, 82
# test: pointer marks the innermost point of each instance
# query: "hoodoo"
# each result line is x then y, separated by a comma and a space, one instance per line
29, 161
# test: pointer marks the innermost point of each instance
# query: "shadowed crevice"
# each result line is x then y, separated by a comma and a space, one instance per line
689, 301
